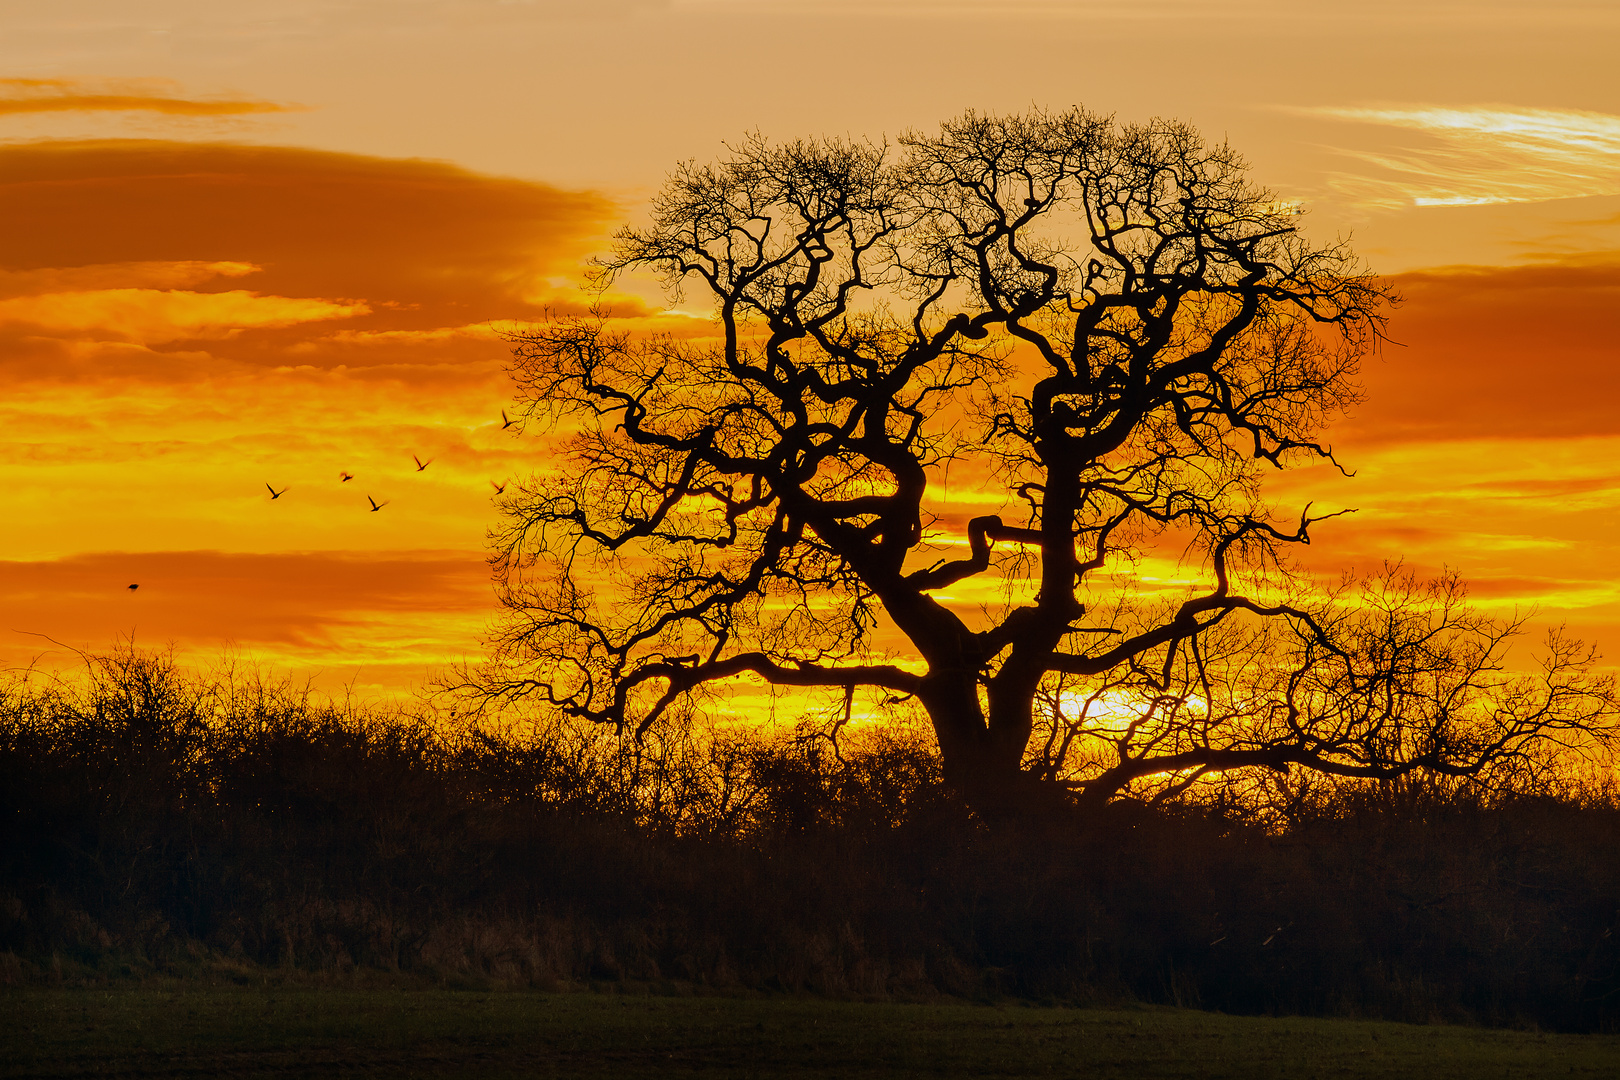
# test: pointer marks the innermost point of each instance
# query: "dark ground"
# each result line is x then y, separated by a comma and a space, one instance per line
284, 1031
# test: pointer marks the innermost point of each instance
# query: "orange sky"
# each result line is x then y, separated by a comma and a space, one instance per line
246, 243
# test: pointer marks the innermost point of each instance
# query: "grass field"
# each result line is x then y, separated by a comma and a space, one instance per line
287, 1032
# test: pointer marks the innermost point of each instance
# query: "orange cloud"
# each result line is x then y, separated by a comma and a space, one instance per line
125, 95
1497, 352
135, 275
394, 615
159, 315
211, 256
423, 245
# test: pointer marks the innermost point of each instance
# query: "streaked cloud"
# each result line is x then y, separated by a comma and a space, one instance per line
423, 234
1497, 353
180, 274
151, 316
152, 236
383, 619
122, 95
484, 332
1478, 155
1487, 443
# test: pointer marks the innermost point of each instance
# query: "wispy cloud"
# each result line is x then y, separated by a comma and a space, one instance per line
1477, 155
121, 95
151, 316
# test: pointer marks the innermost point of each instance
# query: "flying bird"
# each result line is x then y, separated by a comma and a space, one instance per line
375, 505
500, 489
505, 423
132, 588
420, 464
345, 477
274, 494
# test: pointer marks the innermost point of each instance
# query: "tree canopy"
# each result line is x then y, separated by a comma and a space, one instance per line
1109, 334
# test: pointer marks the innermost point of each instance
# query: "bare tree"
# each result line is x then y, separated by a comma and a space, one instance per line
1107, 325
1399, 681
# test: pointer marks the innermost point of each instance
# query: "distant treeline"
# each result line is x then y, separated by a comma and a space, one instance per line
153, 821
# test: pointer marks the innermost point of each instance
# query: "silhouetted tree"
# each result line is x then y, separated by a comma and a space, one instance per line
1399, 684
1108, 333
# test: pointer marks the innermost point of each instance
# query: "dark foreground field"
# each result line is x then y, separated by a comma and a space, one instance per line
249, 1032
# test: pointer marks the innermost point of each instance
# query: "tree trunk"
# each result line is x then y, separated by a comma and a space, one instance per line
986, 771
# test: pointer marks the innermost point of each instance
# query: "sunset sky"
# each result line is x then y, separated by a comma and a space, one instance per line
247, 243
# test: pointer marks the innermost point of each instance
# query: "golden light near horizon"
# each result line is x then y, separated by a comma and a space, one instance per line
248, 247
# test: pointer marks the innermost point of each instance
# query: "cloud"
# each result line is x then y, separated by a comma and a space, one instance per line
1581, 490
120, 95
408, 609
1497, 352
437, 336
1487, 443
1482, 154
136, 275
1562, 592
428, 237
150, 316
394, 247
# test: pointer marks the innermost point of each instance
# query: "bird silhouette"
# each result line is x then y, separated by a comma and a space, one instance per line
500, 489
420, 464
274, 494
345, 477
375, 505
505, 423
132, 588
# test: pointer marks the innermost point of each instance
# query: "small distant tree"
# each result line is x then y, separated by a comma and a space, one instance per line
1108, 334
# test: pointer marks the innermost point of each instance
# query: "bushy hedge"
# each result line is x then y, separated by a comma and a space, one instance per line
152, 820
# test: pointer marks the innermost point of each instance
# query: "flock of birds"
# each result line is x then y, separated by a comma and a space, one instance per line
345, 476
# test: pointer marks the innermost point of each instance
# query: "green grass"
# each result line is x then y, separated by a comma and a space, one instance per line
187, 1030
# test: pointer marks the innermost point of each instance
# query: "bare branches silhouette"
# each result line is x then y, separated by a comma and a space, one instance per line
1113, 334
